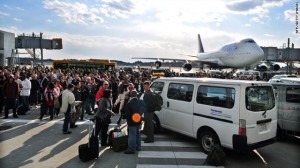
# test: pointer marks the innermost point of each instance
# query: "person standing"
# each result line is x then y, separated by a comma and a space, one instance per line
100, 92
35, 85
2, 81
133, 111
68, 99
103, 116
76, 114
121, 100
10, 94
25, 92
50, 95
149, 100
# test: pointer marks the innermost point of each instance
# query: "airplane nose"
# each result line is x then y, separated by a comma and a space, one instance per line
260, 53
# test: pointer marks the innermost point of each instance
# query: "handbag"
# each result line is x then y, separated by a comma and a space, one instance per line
56, 103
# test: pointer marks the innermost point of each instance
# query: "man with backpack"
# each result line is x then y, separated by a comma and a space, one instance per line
133, 112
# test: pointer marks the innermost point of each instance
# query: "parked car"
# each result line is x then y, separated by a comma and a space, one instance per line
276, 78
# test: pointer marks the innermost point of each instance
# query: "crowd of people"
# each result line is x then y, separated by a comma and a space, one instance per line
80, 95
83, 94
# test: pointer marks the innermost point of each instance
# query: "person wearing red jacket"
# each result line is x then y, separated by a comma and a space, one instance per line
100, 92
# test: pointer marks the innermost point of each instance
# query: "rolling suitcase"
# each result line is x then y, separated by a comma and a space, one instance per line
118, 140
90, 150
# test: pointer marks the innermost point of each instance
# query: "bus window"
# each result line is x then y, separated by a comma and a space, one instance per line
293, 95
216, 96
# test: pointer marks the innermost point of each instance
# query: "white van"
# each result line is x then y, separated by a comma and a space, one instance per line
288, 98
236, 114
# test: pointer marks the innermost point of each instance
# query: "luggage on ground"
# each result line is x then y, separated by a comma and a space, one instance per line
22, 110
90, 150
216, 157
117, 139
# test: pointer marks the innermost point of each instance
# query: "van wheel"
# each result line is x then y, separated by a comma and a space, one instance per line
156, 124
208, 139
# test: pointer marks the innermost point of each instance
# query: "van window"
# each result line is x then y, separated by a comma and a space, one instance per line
157, 87
259, 98
216, 96
179, 91
293, 95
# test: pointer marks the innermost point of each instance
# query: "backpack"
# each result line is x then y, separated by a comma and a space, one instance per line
158, 101
216, 157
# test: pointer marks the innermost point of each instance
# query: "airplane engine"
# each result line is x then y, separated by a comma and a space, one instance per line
265, 67
187, 67
275, 67
261, 67
157, 64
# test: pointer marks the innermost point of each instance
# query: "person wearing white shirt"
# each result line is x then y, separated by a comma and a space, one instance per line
68, 100
25, 92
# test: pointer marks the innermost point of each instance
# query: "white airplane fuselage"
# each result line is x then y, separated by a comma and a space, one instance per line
235, 55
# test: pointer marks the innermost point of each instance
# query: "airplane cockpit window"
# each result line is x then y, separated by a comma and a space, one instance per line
248, 41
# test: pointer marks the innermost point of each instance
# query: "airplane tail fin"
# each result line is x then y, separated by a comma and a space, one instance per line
201, 50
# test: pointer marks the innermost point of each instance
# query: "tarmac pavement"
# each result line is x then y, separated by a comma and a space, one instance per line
29, 142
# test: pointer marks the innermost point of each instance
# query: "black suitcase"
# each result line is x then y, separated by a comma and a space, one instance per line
117, 139
22, 110
90, 150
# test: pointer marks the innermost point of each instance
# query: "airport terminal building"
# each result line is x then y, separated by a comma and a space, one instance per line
7, 45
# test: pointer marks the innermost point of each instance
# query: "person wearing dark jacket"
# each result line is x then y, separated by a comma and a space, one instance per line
75, 116
35, 86
149, 100
10, 94
103, 116
133, 112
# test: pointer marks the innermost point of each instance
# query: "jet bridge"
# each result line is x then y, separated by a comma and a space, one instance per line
33, 42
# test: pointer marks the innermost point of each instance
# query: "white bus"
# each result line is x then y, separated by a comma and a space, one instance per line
240, 115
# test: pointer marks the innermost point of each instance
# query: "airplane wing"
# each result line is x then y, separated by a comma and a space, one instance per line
188, 58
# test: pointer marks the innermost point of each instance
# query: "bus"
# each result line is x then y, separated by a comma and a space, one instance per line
157, 73
90, 64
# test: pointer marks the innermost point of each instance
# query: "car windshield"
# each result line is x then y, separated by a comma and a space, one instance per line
259, 98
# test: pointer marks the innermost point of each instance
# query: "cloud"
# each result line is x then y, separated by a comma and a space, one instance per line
19, 8
290, 15
122, 8
4, 14
18, 20
244, 5
49, 21
260, 19
268, 35
250, 7
6, 6
78, 13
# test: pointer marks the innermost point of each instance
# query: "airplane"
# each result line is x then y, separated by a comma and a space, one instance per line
234, 55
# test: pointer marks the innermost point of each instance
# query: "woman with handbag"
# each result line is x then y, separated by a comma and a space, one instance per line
103, 116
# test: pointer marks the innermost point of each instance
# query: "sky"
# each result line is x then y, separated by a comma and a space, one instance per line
121, 29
